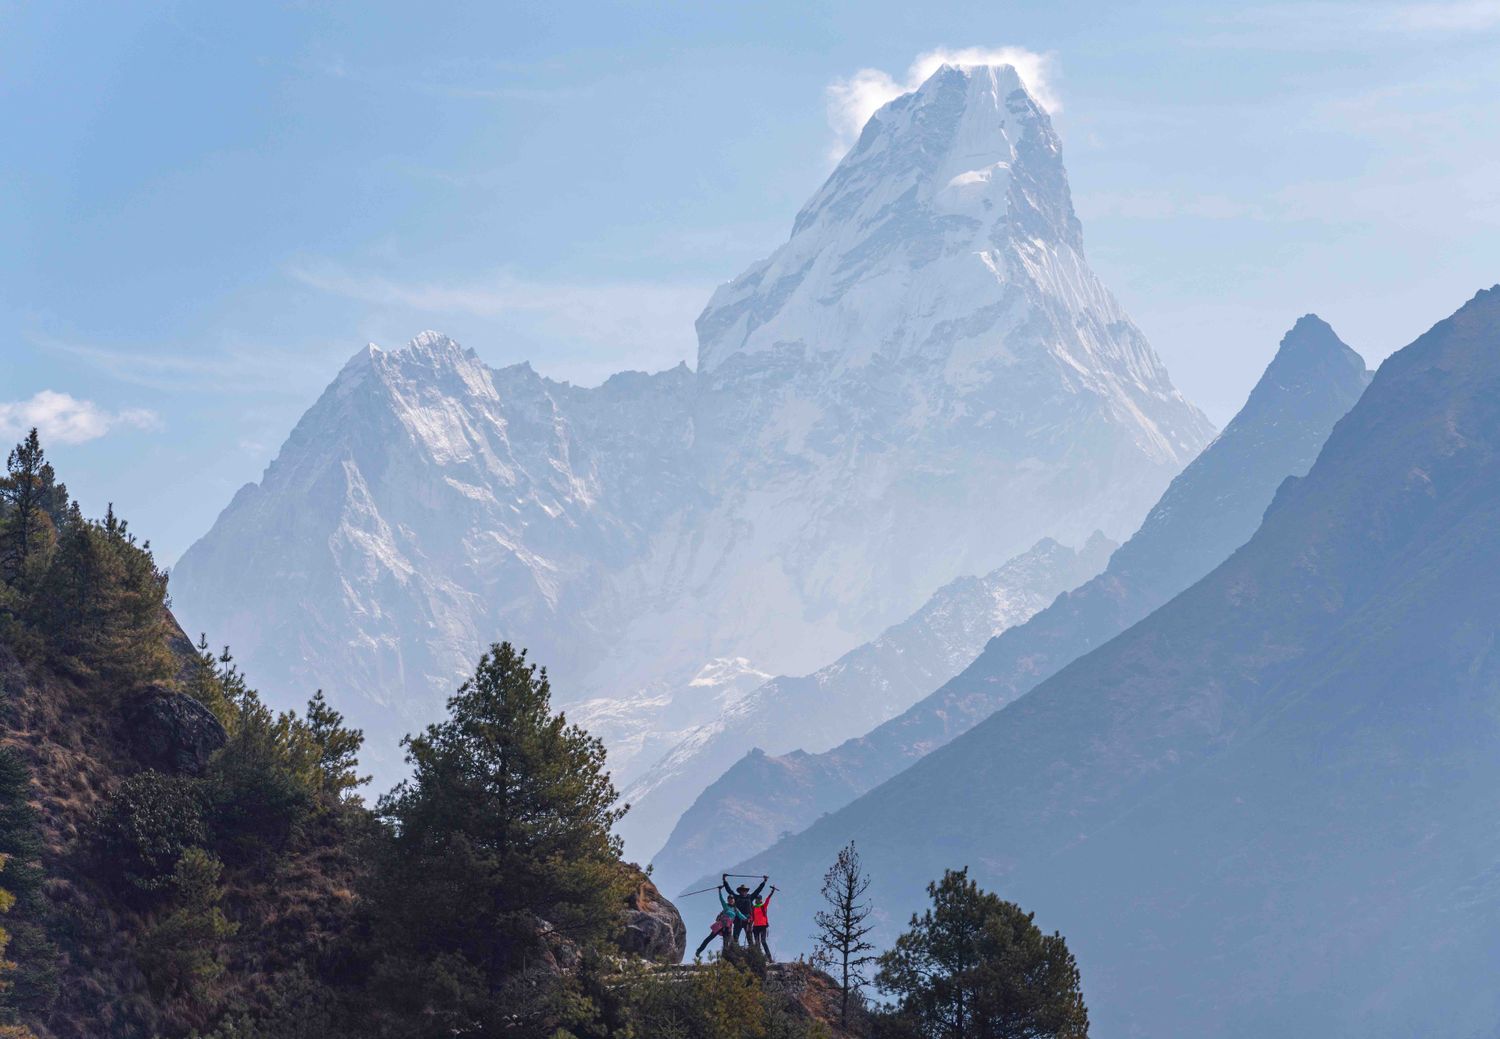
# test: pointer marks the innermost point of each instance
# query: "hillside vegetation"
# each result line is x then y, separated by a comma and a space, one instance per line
181, 861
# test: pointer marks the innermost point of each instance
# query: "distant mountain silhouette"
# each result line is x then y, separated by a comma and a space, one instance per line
1270, 808
1206, 513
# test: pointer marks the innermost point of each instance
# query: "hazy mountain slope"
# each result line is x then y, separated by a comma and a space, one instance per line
424, 506
1268, 809
865, 685
922, 382
1207, 512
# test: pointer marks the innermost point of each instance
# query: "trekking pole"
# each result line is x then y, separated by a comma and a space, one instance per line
744, 876
700, 891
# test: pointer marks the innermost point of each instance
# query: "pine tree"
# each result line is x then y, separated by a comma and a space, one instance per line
502, 832
977, 967
29, 504
337, 748
842, 927
205, 684
101, 606
183, 952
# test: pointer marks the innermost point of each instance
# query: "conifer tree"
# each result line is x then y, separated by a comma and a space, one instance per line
505, 823
337, 748
29, 505
102, 604
842, 927
183, 952
974, 966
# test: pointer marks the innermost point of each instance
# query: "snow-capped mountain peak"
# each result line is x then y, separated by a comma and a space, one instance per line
924, 380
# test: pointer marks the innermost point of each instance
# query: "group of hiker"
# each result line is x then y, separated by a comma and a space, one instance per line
741, 911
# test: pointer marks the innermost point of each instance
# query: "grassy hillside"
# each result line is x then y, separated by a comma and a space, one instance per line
181, 862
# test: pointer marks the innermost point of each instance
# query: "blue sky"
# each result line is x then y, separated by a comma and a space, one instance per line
208, 207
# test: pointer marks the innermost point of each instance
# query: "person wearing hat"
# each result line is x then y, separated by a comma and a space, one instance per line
744, 901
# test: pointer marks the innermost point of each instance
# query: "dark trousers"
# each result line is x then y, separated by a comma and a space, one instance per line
758, 937
741, 927
711, 936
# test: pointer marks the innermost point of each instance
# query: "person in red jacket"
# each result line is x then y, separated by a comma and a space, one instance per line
760, 923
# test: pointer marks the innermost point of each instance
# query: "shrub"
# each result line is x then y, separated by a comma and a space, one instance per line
141, 832
181, 953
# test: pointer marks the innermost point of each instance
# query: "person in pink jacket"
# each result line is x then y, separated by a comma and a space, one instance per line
723, 926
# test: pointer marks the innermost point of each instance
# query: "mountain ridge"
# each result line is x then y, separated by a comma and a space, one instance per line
871, 404
1261, 809
875, 680
1211, 508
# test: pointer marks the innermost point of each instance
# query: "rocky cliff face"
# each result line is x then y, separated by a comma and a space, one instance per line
1208, 511
925, 380
1266, 809
651, 927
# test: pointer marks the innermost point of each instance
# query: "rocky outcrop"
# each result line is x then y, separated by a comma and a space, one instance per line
811, 994
173, 732
651, 927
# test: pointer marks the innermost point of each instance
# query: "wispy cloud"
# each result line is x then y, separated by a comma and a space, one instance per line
65, 419
590, 328
1335, 24
1462, 17
853, 99
237, 369
1167, 205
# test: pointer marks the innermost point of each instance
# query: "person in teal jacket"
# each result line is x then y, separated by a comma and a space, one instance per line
728, 920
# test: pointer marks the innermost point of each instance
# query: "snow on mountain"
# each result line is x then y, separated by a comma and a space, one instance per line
1209, 510
875, 681
924, 380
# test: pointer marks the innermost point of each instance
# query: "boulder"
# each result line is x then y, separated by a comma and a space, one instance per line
651, 927
173, 732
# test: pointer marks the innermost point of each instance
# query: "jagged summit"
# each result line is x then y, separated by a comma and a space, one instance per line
1310, 359
950, 145
1312, 341
957, 170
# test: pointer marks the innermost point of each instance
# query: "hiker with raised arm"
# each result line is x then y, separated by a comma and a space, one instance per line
744, 901
760, 923
729, 918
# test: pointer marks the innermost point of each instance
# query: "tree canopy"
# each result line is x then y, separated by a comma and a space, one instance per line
974, 966
502, 834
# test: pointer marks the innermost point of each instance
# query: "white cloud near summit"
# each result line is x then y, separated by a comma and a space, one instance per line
852, 100
64, 419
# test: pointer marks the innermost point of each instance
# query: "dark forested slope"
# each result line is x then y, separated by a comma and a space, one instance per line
179, 862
